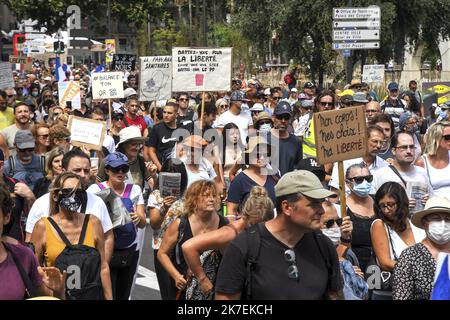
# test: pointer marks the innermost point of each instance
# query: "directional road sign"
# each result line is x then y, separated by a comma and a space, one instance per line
370, 24
372, 12
356, 45
343, 35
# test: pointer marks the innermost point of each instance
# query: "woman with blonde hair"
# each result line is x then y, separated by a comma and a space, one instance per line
202, 201
436, 158
53, 167
257, 208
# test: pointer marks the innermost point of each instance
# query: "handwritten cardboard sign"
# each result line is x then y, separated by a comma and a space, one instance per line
107, 85
69, 91
124, 62
6, 76
340, 134
373, 73
155, 78
86, 132
195, 69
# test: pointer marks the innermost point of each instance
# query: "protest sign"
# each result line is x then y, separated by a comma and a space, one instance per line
340, 134
19, 59
195, 69
373, 73
69, 91
107, 85
170, 184
123, 62
6, 76
155, 82
86, 132
110, 50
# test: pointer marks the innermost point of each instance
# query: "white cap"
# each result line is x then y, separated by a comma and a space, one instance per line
257, 107
294, 90
129, 92
47, 78
267, 92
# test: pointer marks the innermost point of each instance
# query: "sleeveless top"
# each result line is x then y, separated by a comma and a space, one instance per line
438, 178
54, 246
361, 241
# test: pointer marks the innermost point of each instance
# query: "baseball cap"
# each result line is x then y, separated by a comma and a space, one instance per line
24, 139
436, 204
294, 90
347, 92
267, 92
283, 107
310, 164
346, 99
307, 104
304, 182
237, 96
360, 97
393, 86
47, 78
115, 159
309, 85
128, 92
257, 107
354, 83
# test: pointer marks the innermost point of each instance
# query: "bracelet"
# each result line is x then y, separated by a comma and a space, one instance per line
343, 240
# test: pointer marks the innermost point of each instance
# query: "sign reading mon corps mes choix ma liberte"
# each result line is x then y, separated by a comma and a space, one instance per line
340, 134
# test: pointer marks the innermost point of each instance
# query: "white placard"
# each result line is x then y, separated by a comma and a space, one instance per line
87, 132
373, 73
372, 12
355, 45
107, 85
69, 91
342, 35
6, 76
155, 78
199, 70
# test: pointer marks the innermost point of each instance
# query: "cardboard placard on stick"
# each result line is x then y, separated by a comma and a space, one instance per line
155, 78
123, 62
6, 76
87, 132
69, 91
198, 69
340, 134
107, 85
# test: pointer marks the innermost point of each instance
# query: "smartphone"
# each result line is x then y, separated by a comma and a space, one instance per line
94, 162
69, 104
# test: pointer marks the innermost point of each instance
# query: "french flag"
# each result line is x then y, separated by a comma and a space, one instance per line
61, 71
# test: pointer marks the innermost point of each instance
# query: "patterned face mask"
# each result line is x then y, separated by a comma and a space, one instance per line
70, 201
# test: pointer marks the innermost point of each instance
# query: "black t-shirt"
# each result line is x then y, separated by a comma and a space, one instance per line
289, 154
160, 138
270, 275
241, 186
184, 120
16, 230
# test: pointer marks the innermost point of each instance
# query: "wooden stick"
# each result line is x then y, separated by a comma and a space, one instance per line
110, 113
155, 109
342, 189
203, 109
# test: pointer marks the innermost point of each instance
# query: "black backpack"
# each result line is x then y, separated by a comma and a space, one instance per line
80, 261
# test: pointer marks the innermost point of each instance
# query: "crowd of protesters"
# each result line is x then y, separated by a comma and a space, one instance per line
238, 206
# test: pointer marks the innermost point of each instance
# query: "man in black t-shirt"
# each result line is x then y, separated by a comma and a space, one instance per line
160, 142
185, 115
294, 260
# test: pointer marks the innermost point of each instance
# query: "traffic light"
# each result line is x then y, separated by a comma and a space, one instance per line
58, 47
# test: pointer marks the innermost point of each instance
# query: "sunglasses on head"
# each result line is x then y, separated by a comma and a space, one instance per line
122, 168
360, 179
330, 223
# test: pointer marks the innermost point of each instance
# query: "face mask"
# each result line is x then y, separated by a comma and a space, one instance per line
70, 203
439, 232
362, 189
413, 129
265, 127
334, 234
35, 94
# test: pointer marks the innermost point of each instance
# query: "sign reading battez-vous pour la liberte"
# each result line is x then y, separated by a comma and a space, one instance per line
340, 134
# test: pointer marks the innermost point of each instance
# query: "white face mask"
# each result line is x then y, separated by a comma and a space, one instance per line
265, 127
334, 234
439, 231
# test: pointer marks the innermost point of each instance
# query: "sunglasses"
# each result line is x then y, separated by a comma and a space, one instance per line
359, 180
284, 117
406, 147
182, 99
44, 136
118, 118
276, 98
10, 96
289, 256
26, 150
390, 206
330, 223
324, 104
446, 137
67, 192
223, 106
255, 112
371, 111
264, 122
122, 168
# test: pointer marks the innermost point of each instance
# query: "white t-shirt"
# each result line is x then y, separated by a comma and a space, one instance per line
373, 168
136, 192
205, 172
95, 206
109, 144
388, 175
243, 121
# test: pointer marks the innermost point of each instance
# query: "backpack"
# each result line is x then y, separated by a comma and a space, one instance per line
254, 244
23, 175
126, 234
83, 265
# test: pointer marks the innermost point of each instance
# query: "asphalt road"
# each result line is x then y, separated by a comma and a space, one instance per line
146, 285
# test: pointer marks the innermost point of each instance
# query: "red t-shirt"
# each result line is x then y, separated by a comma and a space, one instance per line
138, 122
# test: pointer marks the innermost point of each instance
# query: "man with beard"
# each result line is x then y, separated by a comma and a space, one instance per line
76, 161
25, 166
6, 114
22, 115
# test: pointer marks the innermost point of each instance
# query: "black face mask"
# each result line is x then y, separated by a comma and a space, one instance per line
70, 200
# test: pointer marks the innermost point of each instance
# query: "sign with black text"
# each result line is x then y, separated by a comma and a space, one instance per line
107, 85
155, 78
123, 62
